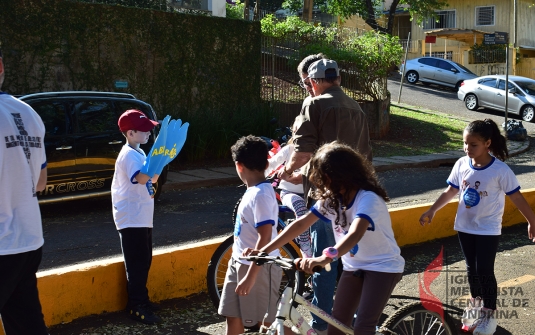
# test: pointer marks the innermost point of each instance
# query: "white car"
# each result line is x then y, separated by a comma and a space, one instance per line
432, 70
489, 92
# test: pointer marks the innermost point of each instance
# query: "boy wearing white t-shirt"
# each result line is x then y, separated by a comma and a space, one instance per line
249, 288
133, 210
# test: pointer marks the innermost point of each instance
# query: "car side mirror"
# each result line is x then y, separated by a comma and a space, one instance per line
512, 90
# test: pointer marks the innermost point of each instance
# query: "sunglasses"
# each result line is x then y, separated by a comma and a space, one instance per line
304, 84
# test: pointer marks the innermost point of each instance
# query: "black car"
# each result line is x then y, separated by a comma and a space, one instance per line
82, 141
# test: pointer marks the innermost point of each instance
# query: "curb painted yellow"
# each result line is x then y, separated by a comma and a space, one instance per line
97, 287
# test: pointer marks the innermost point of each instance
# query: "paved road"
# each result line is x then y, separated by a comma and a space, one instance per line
83, 230
445, 100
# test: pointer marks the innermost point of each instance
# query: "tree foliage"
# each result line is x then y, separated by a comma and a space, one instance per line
369, 9
363, 58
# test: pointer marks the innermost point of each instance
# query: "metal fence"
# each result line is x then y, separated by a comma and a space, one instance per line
280, 80
486, 56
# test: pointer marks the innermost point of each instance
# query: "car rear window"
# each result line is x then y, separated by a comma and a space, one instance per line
490, 82
123, 106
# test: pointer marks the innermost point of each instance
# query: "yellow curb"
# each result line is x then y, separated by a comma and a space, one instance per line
97, 287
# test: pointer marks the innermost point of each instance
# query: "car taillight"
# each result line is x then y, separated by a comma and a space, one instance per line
462, 83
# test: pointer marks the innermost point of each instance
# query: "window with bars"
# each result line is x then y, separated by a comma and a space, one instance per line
485, 16
445, 19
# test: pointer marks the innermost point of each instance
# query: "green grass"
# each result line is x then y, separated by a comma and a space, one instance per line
419, 133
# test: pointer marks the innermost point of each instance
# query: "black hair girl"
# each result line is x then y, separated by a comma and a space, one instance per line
336, 170
488, 130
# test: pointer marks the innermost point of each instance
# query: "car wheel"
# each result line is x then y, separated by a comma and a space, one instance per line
470, 101
412, 77
528, 112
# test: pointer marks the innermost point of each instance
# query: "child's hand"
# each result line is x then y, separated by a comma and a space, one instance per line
531, 232
250, 252
308, 264
245, 285
426, 217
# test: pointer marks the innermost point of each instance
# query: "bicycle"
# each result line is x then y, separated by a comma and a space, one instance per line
217, 267
412, 319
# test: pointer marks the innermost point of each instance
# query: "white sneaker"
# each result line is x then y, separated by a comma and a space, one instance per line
472, 314
487, 323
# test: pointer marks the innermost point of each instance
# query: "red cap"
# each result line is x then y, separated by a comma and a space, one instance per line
134, 119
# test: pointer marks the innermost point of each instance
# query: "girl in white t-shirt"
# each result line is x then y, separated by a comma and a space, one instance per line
352, 200
482, 181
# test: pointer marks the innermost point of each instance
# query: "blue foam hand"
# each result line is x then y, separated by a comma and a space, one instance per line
176, 137
151, 164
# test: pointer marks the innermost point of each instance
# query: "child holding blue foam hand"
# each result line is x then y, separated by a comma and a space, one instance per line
133, 200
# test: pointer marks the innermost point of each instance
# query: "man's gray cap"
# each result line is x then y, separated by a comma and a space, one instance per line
317, 69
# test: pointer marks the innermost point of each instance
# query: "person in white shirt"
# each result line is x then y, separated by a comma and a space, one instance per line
23, 172
481, 181
133, 211
351, 199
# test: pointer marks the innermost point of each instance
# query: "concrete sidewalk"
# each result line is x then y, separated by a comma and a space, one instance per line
187, 179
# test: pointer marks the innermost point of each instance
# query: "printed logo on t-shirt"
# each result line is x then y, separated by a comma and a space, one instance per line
237, 226
472, 195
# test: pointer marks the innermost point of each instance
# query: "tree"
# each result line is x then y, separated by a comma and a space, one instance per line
368, 9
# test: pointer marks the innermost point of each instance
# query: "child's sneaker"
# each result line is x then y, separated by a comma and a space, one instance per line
143, 313
471, 314
487, 323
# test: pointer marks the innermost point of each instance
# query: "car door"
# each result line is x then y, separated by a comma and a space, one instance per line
426, 68
514, 101
446, 73
59, 144
485, 92
98, 139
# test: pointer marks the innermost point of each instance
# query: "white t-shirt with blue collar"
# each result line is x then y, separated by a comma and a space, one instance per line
133, 206
378, 249
258, 207
482, 195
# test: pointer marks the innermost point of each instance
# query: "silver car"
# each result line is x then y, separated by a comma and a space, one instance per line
432, 70
489, 91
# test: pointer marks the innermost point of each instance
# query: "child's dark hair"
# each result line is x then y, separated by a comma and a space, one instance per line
251, 151
488, 130
335, 167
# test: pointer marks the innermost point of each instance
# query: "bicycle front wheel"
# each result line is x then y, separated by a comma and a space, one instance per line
416, 319
217, 269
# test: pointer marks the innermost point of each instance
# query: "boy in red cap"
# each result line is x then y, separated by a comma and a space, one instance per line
133, 209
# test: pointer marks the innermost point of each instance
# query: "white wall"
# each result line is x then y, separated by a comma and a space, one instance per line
217, 7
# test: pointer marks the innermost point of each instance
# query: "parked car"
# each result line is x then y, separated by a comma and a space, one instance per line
82, 141
432, 70
489, 91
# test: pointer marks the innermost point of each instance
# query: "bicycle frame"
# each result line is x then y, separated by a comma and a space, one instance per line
286, 310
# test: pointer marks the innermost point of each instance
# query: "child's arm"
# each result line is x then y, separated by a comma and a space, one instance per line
290, 232
142, 178
520, 202
442, 201
353, 236
246, 284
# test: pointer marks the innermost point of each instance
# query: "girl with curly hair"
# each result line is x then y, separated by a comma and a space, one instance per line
351, 199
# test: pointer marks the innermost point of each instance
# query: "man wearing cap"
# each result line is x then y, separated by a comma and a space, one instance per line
133, 210
23, 172
328, 116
